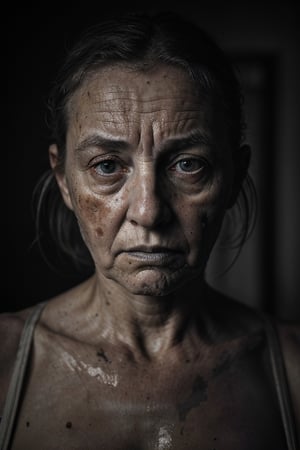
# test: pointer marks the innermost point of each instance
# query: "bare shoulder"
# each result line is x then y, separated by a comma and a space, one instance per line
11, 327
56, 318
289, 334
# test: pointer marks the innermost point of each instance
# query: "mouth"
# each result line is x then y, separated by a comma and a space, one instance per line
152, 249
156, 255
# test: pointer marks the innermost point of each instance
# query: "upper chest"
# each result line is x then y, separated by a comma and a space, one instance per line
79, 401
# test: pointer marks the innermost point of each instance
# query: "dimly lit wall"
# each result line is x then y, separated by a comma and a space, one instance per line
264, 39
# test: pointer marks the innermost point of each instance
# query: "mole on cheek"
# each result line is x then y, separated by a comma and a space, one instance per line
99, 231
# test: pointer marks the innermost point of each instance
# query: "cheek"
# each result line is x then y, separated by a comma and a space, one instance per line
92, 214
201, 220
205, 209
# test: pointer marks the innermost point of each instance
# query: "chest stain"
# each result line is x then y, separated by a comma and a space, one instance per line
197, 396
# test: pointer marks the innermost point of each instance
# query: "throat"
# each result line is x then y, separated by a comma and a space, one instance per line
148, 326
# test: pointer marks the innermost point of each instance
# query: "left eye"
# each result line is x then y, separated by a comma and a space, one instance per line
189, 165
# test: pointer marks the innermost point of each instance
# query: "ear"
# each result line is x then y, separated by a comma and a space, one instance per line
241, 161
60, 176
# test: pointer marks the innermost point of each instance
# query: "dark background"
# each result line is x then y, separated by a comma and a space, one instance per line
263, 39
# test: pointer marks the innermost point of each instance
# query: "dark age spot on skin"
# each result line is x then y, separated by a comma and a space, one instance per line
95, 210
69, 425
101, 354
84, 203
198, 395
148, 82
27, 424
99, 231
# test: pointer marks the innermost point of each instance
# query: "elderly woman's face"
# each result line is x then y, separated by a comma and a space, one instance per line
148, 174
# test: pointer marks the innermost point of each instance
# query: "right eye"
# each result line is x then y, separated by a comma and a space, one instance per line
108, 167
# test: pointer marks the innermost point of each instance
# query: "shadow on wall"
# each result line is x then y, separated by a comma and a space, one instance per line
251, 278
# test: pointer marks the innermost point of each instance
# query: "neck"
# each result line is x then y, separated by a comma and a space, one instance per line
147, 324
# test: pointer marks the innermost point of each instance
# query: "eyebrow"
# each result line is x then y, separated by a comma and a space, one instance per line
192, 139
97, 140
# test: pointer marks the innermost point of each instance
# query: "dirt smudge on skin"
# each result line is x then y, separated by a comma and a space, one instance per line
223, 364
102, 355
197, 396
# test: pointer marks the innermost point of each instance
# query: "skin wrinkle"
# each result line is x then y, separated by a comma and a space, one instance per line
197, 139
134, 100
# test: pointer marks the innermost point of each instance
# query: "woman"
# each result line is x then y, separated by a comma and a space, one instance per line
148, 156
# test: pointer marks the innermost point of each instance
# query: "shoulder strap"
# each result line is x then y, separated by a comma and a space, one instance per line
16, 382
281, 384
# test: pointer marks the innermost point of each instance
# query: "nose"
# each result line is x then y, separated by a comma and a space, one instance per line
148, 204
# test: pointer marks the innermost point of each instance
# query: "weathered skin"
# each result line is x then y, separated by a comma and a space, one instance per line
143, 355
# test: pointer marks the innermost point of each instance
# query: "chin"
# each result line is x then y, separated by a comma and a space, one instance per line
156, 283
158, 290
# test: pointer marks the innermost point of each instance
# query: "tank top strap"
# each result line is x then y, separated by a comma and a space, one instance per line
17, 378
281, 383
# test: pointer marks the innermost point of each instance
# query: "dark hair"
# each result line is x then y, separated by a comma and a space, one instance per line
140, 41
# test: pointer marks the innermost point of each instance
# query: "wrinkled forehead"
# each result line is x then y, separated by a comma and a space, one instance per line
118, 88
122, 101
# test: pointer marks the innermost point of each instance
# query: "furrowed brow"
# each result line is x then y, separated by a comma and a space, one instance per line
193, 139
101, 142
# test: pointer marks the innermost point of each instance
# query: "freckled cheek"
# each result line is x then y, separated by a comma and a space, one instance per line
92, 214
